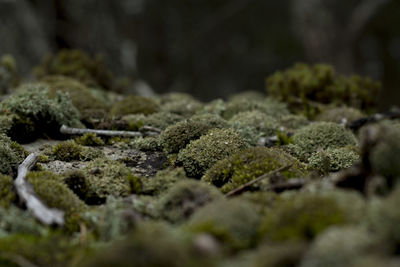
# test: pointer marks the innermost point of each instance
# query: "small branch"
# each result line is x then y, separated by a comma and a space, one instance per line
258, 179
357, 124
26, 193
150, 129
75, 131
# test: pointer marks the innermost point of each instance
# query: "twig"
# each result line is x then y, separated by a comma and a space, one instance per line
74, 131
293, 183
258, 179
150, 129
357, 124
26, 193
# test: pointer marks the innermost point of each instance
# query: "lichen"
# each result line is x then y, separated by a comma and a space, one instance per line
150, 143
134, 104
341, 115
249, 164
180, 202
291, 123
320, 135
198, 156
333, 159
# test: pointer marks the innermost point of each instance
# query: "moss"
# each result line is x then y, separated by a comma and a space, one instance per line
150, 143
56, 194
291, 123
162, 120
8, 74
163, 180
201, 154
221, 219
321, 135
78, 65
179, 135
303, 83
89, 139
333, 159
266, 105
303, 216
252, 125
81, 96
249, 164
248, 95
341, 115
11, 154
179, 202
16, 221
7, 191
43, 115
180, 103
384, 155
216, 107
339, 246
134, 104
67, 151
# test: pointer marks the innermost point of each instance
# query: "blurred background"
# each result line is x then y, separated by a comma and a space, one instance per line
210, 48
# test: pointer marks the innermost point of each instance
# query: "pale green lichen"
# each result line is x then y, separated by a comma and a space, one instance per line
249, 164
201, 154
179, 202
321, 135
333, 159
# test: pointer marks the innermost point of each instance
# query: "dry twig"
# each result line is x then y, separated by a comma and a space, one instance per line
75, 131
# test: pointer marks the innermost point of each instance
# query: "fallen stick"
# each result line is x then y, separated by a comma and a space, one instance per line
26, 193
75, 131
258, 179
357, 124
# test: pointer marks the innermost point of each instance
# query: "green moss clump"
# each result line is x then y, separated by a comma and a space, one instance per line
303, 83
341, 115
303, 216
249, 164
8, 74
180, 103
56, 194
162, 120
180, 201
134, 104
78, 65
7, 191
149, 143
339, 246
216, 107
291, 123
89, 139
252, 125
321, 135
163, 180
333, 159
248, 95
11, 154
177, 136
233, 222
37, 114
67, 151
201, 154
266, 105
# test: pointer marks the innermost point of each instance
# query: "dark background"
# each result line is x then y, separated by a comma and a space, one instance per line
210, 48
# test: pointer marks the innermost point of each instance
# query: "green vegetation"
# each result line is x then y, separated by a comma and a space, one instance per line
339, 114
180, 103
333, 159
11, 154
67, 151
244, 166
163, 180
89, 139
134, 105
8, 74
7, 191
201, 154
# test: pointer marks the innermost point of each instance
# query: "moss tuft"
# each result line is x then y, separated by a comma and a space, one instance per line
249, 164
7, 191
163, 180
180, 103
134, 104
321, 135
11, 154
179, 202
201, 154
90, 139
333, 159
291, 123
67, 151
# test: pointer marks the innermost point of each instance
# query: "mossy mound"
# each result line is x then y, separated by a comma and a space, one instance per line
78, 65
249, 164
163, 181
134, 104
180, 103
291, 123
159, 120
71, 151
266, 105
149, 143
303, 216
179, 202
8, 74
201, 154
341, 115
90, 139
303, 83
321, 135
35, 114
248, 95
252, 125
7, 191
339, 246
233, 222
81, 96
179, 135
11, 154
333, 159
